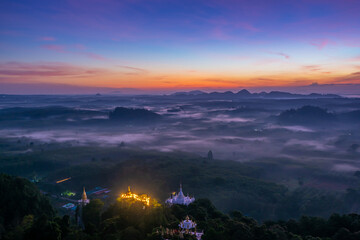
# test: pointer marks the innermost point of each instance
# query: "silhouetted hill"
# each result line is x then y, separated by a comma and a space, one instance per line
306, 115
128, 219
133, 114
353, 116
246, 94
19, 198
195, 92
42, 112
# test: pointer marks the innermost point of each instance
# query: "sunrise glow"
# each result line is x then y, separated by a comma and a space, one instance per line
172, 45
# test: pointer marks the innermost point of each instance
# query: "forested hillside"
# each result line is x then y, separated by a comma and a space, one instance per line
129, 220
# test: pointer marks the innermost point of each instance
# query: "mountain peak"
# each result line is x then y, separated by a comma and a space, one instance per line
244, 92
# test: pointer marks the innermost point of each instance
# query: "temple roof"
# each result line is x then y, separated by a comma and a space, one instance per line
187, 223
180, 198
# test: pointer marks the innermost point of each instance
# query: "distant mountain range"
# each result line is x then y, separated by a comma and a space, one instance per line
246, 94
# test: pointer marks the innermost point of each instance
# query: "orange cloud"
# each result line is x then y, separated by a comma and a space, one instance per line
286, 56
123, 76
133, 70
38, 71
312, 68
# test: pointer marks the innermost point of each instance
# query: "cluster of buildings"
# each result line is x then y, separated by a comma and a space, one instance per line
186, 227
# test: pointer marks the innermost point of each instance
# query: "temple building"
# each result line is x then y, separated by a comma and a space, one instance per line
189, 227
179, 198
84, 200
79, 210
186, 227
132, 196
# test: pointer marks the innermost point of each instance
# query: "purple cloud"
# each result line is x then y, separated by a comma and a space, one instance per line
286, 56
63, 49
320, 44
247, 26
21, 69
91, 55
356, 59
133, 70
48, 38
56, 48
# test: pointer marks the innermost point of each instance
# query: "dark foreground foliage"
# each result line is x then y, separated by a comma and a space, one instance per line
130, 221
20, 198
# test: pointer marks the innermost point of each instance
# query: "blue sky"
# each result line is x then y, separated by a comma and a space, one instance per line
180, 44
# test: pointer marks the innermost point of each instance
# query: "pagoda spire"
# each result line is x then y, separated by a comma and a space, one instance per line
84, 196
180, 198
84, 200
181, 192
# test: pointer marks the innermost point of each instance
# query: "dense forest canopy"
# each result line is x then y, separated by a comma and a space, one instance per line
130, 220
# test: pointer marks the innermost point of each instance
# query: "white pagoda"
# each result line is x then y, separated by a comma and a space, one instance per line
187, 224
179, 198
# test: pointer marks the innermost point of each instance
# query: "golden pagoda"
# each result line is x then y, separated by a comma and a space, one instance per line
84, 200
132, 196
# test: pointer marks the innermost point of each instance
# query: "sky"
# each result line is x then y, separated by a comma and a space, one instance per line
169, 45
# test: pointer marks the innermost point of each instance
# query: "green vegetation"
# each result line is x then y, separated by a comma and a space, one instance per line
20, 198
68, 194
122, 220
230, 185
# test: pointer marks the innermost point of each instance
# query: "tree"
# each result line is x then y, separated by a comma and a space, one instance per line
21, 198
210, 155
132, 233
357, 174
43, 229
91, 213
342, 234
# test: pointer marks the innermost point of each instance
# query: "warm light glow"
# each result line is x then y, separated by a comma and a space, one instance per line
140, 198
63, 180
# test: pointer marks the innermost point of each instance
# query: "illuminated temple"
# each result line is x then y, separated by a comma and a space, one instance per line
132, 196
188, 226
180, 198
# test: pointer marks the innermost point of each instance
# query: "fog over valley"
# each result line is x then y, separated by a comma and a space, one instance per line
303, 131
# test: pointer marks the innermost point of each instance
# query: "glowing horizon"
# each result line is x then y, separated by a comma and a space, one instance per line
180, 44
